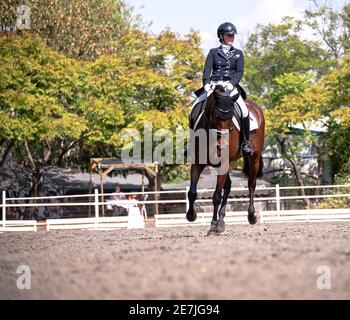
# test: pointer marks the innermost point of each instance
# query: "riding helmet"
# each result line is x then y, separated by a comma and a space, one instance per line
227, 28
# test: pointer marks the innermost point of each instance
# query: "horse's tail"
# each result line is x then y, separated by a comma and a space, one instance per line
260, 173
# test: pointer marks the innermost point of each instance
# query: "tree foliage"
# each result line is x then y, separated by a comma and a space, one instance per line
56, 109
78, 28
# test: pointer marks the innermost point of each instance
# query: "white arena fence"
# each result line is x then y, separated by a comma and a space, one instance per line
95, 207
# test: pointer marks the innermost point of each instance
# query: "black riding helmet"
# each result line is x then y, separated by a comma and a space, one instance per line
226, 28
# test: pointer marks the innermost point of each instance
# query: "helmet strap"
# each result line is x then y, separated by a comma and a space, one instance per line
222, 40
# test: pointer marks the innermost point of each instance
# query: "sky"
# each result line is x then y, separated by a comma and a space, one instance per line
206, 15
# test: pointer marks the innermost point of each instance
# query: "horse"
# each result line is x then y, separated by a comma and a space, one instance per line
219, 121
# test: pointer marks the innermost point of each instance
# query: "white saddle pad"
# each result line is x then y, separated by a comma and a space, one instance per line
253, 123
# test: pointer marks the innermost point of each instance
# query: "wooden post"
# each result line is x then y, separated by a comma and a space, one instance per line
143, 181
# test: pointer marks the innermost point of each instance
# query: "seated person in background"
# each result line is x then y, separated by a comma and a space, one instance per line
118, 210
119, 195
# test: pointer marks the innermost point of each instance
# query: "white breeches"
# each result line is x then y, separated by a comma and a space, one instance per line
239, 101
242, 105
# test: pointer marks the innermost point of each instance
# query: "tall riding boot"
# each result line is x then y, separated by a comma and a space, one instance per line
246, 149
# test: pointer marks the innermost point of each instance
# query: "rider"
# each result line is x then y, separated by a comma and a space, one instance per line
225, 65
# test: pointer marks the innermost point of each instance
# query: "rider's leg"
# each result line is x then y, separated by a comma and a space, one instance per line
247, 148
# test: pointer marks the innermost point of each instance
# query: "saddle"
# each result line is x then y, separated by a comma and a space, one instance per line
225, 108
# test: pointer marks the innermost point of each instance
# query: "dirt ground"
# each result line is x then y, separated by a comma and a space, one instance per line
276, 261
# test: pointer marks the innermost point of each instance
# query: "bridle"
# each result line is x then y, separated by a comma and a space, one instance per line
222, 114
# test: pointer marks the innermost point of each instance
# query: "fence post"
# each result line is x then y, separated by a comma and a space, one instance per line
97, 215
186, 198
278, 200
3, 209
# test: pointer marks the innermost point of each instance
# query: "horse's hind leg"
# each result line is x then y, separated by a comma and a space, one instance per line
222, 211
196, 170
216, 202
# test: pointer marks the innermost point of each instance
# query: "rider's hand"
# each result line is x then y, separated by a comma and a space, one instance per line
229, 86
207, 87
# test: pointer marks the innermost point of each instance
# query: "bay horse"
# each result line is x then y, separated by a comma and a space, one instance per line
215, 119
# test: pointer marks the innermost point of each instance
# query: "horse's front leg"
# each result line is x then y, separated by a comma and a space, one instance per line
222, 211
196, 170
216, 202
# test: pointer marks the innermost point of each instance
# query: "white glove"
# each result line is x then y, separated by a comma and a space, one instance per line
229, 86
207, 87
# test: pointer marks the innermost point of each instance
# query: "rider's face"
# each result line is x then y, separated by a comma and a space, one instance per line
229, 39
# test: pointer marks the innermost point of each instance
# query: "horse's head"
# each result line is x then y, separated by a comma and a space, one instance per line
221, 108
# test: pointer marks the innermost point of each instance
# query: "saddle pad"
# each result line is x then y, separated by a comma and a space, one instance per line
253, 122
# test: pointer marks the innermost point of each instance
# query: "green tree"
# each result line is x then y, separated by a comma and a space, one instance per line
35, 85
331, 25
80, 29
325, 101
276, 49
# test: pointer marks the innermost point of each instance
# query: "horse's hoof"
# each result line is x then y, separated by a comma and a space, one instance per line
221, 226
253, 219
212, 233
191, 216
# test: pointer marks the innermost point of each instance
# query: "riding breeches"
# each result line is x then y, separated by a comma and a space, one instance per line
241, 104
